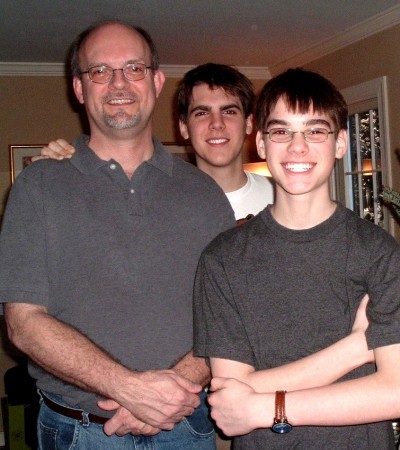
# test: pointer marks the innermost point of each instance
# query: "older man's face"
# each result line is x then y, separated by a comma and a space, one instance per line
119, 104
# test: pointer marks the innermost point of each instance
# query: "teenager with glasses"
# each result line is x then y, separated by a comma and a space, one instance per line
288, 283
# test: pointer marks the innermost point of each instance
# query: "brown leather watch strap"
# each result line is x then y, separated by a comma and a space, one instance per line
281, 424
280, 414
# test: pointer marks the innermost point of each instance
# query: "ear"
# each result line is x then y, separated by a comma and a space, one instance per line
184, 130
249, 124
341, 144
159, 80
78, 89
261, 145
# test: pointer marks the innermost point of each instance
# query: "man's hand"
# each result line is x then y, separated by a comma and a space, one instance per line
159, 398
232, 406
123, 422
165, 398
59, 149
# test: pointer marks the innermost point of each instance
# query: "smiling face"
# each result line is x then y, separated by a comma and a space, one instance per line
119, 104
217, 127
300, 167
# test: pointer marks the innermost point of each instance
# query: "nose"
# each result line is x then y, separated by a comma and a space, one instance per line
216, 121
298, 145
118, 80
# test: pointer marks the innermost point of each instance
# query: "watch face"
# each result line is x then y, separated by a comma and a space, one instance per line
281, 427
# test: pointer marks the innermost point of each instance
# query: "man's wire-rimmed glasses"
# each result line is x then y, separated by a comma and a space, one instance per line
313, 135
104, 74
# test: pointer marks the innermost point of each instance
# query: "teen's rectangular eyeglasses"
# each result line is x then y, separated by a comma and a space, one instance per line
313, 135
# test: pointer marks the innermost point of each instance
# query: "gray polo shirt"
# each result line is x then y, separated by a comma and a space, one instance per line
114, 257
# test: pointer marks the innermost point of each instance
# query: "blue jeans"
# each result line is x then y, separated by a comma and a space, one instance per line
58, 432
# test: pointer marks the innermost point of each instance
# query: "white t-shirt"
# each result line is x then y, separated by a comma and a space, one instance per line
253, 197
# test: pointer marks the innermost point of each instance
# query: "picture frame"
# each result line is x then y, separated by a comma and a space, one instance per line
183, 150
21, 156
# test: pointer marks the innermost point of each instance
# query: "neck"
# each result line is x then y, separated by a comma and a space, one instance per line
301, 212
229, 178
128, 152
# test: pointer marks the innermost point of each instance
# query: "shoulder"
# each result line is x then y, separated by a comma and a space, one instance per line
41, 171
369, 235
198, 197
191, 173
197, 183
237, 240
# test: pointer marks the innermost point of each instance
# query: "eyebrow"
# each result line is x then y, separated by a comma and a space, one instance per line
130, 61
309, 123
208, 108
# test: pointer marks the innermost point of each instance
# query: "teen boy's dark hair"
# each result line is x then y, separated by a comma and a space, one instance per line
215, 76
302, 89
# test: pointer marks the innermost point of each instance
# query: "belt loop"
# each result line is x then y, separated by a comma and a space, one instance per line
85, 419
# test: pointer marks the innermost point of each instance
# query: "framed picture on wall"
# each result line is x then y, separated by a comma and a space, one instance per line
21, 156
181, 150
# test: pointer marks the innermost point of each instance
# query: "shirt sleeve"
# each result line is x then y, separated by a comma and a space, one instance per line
23, 277
384, 292
218, 328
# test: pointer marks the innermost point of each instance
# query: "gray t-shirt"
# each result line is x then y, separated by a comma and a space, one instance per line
112, 256
266, 295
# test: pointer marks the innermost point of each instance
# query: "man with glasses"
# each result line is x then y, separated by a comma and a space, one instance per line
215, 104
98, 258
306, 263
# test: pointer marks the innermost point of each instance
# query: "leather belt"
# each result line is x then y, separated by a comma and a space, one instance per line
76, 414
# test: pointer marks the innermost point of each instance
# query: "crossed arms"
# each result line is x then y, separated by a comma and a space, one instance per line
312, 399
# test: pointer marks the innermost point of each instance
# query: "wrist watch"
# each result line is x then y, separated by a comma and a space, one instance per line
281, 424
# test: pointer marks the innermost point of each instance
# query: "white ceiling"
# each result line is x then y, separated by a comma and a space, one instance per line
252, 34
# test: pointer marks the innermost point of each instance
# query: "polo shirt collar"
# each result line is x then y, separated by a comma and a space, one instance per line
87, 162
161, 159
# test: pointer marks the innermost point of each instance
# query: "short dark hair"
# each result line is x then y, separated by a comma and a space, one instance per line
215, 76
82, 37
302, 89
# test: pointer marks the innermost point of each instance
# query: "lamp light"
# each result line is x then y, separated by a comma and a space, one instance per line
260, 168
367, 167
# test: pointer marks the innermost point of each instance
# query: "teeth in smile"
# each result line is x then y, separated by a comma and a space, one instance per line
120, 101
217, 141
298, 167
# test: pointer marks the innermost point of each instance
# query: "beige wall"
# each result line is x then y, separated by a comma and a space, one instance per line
35, 109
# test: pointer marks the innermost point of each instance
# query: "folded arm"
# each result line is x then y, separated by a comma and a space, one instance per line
319, 369
367, 399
